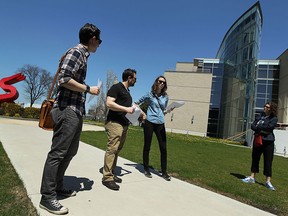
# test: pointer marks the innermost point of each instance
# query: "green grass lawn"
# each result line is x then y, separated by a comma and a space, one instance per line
13, 196
211, 164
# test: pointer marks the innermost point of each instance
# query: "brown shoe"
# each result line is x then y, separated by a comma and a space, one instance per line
111, 185
117, 179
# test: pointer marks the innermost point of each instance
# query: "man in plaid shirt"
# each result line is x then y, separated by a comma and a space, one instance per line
69, 107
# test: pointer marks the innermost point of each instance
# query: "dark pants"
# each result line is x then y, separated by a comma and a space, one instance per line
268, 152
160, 132
65, 143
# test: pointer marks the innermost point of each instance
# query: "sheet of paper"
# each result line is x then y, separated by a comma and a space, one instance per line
99, 84
175, 104
133, 118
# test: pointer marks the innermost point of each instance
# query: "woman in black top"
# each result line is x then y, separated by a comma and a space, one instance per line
264, 125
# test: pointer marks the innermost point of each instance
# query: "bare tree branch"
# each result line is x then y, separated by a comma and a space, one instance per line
99, 110
38, 82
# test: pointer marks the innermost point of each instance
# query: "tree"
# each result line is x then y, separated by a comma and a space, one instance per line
38, 82
100, 110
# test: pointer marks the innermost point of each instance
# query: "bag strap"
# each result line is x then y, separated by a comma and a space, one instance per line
55, 77
161, 107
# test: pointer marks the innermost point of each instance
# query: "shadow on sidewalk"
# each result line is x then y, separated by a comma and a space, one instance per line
78, 183
140, 168
118, 171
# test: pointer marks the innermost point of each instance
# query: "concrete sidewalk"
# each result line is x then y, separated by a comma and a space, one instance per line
27, 147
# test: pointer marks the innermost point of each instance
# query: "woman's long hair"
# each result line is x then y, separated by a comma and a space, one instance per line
273, 108
154, 86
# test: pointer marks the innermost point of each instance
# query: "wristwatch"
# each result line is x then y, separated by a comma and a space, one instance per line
87, 89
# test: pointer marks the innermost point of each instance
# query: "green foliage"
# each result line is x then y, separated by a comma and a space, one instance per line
31, 112
13, 196
15, 110
17, 115
10, 109
209, 163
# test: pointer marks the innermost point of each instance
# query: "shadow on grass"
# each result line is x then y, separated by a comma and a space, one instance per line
239, 176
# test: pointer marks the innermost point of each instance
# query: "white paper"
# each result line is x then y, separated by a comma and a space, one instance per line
99, 84
133, 118
174, 105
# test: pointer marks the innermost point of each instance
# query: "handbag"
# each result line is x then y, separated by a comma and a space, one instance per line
257, 142
45, 119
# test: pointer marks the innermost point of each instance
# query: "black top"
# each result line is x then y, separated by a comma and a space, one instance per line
265, 125
123, 98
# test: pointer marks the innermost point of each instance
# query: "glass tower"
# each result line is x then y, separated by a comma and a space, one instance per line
216, 68
239, 52
267, 83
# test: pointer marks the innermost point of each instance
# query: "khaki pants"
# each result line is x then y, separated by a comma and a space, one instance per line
116, 134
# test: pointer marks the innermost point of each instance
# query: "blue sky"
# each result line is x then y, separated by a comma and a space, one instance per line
149, 36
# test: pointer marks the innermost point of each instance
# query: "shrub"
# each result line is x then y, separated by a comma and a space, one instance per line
10, 109
31, 112
17, 115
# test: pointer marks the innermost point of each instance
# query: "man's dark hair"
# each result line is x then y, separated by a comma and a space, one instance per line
87, 32
128, 73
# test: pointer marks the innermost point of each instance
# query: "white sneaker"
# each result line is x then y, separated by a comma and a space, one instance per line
53, 206
269, 186
249, 179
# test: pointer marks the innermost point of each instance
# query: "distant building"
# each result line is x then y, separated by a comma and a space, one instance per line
194, 88
283, 88
227, 92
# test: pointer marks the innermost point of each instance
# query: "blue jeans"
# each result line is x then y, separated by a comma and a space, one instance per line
65, 143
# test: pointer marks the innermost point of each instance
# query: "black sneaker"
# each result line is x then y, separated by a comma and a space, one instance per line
66, 192
166, 177
53, 206
147, 174
111, 185
117, 179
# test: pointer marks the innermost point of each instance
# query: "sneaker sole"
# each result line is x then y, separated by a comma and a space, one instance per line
54, 212
248, 182
271, 189
167, 179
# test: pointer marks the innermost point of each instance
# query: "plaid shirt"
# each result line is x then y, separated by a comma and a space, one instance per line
74, 66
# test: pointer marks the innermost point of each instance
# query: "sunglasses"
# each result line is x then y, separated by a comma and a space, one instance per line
100, 41
267, 106
160, 82
133, 78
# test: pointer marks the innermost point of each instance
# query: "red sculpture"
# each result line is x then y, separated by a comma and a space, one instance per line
11, 92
